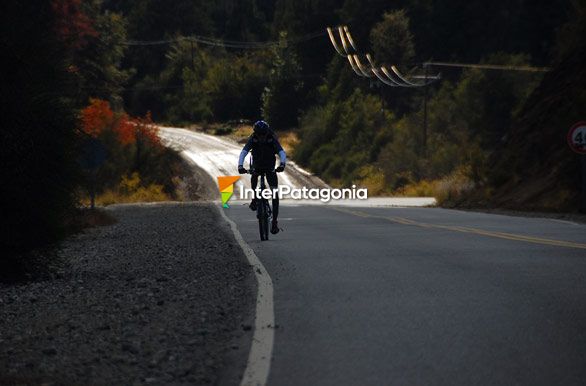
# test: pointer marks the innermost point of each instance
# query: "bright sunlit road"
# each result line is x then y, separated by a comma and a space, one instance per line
219, 156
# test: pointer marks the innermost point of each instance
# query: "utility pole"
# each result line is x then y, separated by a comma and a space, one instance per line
577, 141
192, 61
138, 139
425, 95
382, 98
583, 164
93, 176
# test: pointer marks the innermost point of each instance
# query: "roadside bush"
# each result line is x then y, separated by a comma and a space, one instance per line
340, 138
372, 178
447, 190
313, 133
130, 190
136, 165
466, 122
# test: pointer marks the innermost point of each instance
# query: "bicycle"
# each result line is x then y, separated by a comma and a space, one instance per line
264, 211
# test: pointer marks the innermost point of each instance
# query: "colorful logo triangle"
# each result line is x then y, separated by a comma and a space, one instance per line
226, 186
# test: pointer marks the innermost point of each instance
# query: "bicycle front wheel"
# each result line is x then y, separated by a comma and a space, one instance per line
266, 220
263, 220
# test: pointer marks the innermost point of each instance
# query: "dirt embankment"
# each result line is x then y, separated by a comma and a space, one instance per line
195, 184
535, 170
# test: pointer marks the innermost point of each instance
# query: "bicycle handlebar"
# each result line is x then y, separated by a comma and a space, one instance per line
252, 171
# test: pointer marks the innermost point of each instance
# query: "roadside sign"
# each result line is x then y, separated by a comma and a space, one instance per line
577, 138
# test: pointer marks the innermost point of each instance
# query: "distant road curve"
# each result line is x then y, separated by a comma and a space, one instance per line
219, 157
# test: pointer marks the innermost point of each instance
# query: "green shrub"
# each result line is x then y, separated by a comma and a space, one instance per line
339, 138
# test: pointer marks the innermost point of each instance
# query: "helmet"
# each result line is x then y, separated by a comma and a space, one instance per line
261, 127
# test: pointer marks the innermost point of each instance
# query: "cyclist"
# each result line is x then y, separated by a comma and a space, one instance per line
263, 145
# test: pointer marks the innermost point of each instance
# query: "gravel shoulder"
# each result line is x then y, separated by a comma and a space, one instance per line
164, 296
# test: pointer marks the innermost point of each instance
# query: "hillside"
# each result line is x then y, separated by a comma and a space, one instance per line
535, 169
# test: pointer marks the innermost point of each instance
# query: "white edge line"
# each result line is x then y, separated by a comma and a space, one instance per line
259, 357
565, 221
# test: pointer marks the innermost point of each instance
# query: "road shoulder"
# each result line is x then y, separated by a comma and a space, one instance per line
164, 296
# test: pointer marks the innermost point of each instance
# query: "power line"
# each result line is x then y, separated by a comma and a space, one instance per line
394, 79
178, 87
210, 41
489, 66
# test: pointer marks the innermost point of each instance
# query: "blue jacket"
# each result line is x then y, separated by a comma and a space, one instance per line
263, 152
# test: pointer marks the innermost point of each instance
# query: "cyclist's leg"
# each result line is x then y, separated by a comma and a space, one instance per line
253, 184
273, 182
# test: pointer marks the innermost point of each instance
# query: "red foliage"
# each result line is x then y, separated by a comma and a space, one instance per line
147, 129
72, 25
97, 117
126, 129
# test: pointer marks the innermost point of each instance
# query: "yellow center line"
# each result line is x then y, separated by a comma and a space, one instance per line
481, 232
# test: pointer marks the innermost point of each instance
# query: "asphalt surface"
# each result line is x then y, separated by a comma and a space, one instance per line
420, 296
218, 156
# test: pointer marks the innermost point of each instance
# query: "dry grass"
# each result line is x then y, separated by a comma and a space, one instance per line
422, 188
373, 179
241, 133
289, 139
130, 191
445, 190
151, 193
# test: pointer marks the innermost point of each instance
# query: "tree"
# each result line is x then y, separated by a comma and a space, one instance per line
72, 26
184, 100
37, 135
343, 136
282, 98
391, 39
99, 61
234, 87
570, 36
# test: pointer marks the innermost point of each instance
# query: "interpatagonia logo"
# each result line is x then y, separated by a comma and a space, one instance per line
226, 185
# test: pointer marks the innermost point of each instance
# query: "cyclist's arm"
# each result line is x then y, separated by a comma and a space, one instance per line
244, 152
283, 157
281, 152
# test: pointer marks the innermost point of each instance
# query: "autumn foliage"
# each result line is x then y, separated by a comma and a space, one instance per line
147, 129
98, 118
133, 153
72, 25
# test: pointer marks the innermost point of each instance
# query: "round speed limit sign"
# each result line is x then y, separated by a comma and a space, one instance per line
577, 138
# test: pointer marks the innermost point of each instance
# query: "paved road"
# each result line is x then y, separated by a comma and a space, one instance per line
218, 156
419, 296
